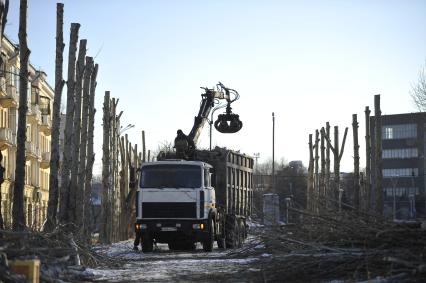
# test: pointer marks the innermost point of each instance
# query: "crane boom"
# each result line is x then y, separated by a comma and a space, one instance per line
226, 123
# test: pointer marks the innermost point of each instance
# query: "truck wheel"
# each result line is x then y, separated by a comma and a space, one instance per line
232, 234
208, 243
147, 244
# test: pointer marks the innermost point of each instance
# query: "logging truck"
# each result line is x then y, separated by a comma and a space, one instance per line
193, 195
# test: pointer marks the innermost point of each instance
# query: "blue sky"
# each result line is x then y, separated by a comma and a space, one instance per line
308, 61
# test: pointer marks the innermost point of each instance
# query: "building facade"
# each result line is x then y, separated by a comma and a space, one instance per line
403, 164
37, 146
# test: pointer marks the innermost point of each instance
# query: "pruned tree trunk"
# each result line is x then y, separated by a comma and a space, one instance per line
114, 171
75, 144
356, 162
309, 193
66, 161
143, 147
122, 189
316, 178
4, 8
52, 207
327, 165
378, 155
80, 188
323, 172
105, 236
24, 54
337, 194
90, 156
367, 160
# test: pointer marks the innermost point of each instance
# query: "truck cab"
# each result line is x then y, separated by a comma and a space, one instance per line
176, 204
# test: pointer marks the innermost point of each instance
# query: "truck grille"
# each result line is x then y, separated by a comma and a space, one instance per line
169, 210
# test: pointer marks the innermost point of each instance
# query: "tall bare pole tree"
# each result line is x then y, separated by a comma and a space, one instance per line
356, 162
80, 188
327, 165
323, 172
90, 155
52, 207
66, 162
24, 54
309, 194
316, 178
75, 143
105, 235
378, 154
4, 8
367, 160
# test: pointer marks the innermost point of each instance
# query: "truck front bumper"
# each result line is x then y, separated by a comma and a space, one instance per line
165, 231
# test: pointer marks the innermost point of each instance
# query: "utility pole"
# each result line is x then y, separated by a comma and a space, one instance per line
273, 151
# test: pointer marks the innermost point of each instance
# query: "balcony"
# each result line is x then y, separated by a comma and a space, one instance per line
46, 124
7, 138
3, 92
10, 98
45, 160
31, 151
33, 114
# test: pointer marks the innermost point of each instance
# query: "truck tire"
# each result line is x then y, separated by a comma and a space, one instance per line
147, 244
208, 243
231, 234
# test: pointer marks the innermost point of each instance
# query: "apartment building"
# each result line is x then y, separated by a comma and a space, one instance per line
40, 101
403, 159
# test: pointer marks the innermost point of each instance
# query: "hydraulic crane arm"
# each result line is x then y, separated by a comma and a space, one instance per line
226, 123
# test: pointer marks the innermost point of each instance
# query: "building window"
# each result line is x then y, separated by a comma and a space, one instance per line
400, 153
390, 132
400, 192
400, 172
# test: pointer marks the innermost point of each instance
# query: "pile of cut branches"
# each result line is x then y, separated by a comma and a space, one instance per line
345, 246
57, 251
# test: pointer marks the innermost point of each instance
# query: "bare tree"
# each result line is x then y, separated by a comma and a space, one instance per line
52, 206
367, 160
90, 155
105, 235
24, 54
418, 90
378, 155
356, 162
4, 8
80, 188
66, 162
310, 188
337, 153
75, 143
18, 196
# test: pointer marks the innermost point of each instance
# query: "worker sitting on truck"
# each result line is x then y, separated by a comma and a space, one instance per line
183, 144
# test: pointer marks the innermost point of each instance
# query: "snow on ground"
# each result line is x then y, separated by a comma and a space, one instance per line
164, 265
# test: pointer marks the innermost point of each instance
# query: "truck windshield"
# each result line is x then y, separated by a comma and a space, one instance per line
171, 176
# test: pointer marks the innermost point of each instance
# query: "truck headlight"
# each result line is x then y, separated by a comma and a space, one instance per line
140, 226
198, 226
